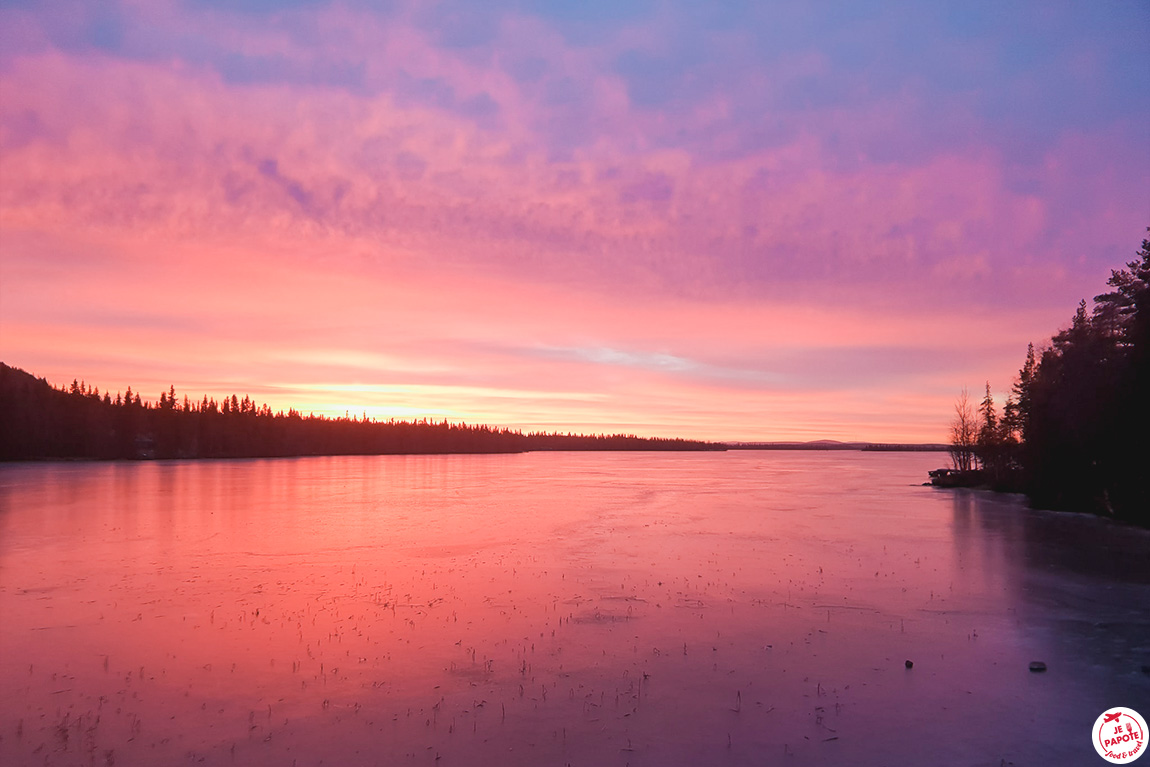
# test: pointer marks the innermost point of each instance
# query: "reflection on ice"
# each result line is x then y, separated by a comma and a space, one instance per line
555, 609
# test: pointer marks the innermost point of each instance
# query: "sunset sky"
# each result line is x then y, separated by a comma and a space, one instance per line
752, 221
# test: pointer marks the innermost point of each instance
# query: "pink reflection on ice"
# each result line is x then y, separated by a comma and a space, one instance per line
548, 608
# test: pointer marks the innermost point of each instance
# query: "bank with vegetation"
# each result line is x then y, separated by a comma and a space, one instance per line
1074, 434
40, 421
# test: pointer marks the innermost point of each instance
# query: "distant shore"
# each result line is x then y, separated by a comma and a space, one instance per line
41, 422
824, 444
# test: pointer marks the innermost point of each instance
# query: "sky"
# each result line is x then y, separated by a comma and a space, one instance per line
731, 221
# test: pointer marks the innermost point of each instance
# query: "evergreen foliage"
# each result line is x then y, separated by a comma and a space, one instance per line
38, 421
1075, 433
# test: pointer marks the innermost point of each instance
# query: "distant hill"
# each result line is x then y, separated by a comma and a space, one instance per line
831, 444
39, 421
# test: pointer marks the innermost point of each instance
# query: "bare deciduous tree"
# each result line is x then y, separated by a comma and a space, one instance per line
963, 433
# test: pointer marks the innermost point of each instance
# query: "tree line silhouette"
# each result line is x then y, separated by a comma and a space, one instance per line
39, 421
1075, 429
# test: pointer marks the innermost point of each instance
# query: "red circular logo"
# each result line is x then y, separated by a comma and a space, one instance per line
1120, 735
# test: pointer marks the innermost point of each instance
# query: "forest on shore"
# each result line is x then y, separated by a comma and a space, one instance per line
1074, 433
39, 421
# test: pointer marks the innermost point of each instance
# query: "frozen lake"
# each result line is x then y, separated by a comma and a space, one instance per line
554, 609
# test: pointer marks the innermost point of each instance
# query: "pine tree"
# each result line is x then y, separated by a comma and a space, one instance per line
988, 430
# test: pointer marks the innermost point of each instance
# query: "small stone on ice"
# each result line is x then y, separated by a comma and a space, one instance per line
1037, 665
910, 664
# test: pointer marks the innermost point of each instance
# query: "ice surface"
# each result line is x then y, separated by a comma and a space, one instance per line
556, 608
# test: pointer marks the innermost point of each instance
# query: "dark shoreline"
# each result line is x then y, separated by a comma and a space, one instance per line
976, 480
824, 445
39, 421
